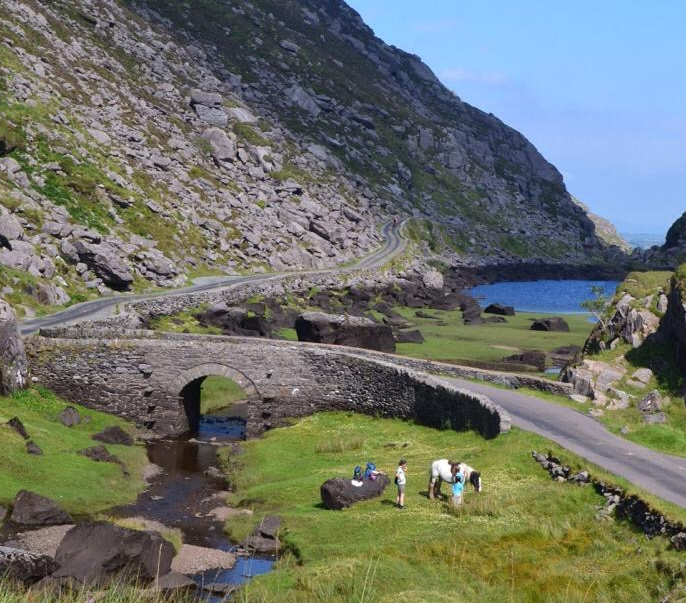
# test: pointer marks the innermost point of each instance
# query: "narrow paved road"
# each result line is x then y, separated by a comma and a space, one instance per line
393, 245
659, 474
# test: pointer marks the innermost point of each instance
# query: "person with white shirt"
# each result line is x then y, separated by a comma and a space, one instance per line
400, 481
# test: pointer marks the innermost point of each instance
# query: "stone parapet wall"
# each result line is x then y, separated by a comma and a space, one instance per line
140, 375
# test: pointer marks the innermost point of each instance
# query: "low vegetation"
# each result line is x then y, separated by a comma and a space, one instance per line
77, 483
524, 538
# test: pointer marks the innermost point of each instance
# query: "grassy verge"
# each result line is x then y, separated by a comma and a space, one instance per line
524, 538
448, 340
219, 392
79, 485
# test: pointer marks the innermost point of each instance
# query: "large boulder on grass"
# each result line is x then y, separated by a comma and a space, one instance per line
31, 509
14, 366
95, 552
24, 566
339, 493
500, 310
355, 331
554, 323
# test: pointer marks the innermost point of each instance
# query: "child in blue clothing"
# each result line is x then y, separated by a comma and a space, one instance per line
458, 486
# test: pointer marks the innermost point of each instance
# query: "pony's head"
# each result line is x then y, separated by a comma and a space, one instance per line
475, 480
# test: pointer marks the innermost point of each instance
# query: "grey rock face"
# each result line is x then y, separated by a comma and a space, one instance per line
13, 363
102, 260
223, 148
212, 116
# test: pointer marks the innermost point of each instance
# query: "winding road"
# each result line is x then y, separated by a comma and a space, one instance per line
394, 244
660, 474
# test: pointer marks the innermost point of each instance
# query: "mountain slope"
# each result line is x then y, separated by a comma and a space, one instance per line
142, 142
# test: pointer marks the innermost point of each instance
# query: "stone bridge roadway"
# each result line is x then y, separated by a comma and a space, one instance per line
154, 379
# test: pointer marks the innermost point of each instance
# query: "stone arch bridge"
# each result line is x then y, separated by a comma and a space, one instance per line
154, 379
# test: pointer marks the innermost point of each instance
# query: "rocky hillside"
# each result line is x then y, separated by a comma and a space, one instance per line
145, 142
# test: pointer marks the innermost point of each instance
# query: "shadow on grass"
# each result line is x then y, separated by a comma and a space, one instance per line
659, 357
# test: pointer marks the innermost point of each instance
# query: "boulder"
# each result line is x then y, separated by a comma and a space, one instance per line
105, 263
33, 448
535, 358
413, 336
433, 279
93, 552
261, 544
222, 148
113, 435
31, 509
237, 321
269, 526
208, 99
339, 493
99, 454
644, 375
69, 417
174, 582
353, 331
651, 402
24, 566
16, 424
657, 418
500, 310
194, 559
14, 366
554, 323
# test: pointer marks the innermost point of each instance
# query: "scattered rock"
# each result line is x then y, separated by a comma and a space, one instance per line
16, 424
261, 544
70, 417
500, 310
99, 454
534, 358
554, 323
26, 567
193, 559
175, 582
114, 435
93, 552
352, 331
31, 509
413, 336
651, 402
657, 418
42, 541
33, 448
644, 375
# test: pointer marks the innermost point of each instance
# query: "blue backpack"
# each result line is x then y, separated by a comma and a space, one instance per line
371, 467
357, 473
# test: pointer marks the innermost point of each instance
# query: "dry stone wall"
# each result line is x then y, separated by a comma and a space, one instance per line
141, 374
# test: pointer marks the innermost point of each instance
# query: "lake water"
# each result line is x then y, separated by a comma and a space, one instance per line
555, 297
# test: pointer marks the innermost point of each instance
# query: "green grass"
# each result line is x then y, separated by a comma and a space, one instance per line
79, 485
183, 322
448, 340
524, 538
289, 334
642, 284
219, 392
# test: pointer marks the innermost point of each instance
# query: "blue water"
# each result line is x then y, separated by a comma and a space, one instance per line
554, 297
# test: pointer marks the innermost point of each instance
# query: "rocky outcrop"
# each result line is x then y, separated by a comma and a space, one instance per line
94, 552
13, 363
114, 435
355, 331
340, 493
500, 310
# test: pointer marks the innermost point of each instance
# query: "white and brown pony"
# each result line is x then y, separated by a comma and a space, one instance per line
444, 470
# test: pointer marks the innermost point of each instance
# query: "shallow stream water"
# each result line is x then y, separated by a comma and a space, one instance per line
189, 487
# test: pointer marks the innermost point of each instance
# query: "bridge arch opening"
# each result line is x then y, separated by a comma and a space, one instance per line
213, 389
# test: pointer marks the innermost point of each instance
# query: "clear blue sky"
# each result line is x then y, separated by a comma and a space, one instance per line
598, 87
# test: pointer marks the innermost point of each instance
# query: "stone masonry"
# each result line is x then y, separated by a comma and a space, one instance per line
152, 379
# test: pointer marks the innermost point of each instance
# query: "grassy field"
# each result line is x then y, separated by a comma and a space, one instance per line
524, 538
219, 392
79, 485
448, 340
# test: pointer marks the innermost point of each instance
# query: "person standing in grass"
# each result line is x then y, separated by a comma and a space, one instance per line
400, 482
458, 486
